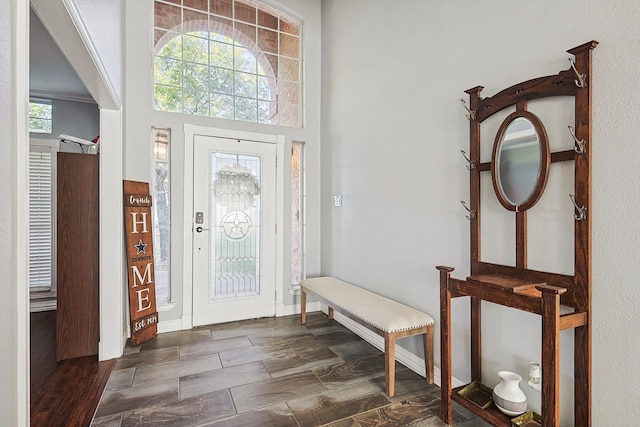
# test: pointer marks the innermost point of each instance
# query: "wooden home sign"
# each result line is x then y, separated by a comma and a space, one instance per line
139, 241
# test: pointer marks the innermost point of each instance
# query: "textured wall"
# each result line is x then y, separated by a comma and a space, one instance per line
393, 128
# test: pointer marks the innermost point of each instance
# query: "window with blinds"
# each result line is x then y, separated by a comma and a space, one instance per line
42, 173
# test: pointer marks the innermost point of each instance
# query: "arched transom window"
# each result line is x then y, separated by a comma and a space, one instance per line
228, 59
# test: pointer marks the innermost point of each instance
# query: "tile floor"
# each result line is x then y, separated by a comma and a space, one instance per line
266, 372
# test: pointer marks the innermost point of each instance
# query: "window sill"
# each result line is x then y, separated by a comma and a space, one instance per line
166, 307
294, 290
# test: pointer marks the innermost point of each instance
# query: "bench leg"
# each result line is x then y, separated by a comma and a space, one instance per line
428, 353
390, 362
303, 307
330, 312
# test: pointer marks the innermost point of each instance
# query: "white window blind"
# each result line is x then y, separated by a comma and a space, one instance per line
42, 161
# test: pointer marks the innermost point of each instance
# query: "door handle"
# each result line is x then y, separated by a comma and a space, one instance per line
200, 229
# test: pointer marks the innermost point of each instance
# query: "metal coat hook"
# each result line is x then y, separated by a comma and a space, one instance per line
580, 143
472, 113
582, 78
472, 212
472, 163
581, 211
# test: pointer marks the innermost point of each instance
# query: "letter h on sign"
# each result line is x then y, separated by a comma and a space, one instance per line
135, 222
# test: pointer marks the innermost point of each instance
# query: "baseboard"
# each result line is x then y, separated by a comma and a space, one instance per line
186, 323
290, 310
169, 326
403, 356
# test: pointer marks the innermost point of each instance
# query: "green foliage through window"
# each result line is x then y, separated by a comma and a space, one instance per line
40, 116
241, 65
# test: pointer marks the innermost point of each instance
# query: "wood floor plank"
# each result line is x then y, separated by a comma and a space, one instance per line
63, 393
269, 389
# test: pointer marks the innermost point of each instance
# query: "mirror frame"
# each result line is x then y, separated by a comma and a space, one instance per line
543, 170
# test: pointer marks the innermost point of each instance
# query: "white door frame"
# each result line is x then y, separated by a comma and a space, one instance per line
65, 23
16, 396
187, 257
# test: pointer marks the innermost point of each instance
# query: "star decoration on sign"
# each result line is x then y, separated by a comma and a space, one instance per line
141, 247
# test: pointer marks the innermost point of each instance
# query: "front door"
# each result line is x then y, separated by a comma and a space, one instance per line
234, 229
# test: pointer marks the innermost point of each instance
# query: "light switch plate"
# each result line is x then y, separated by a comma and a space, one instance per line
337, 200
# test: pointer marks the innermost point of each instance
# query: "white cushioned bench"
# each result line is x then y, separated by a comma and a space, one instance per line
384, 316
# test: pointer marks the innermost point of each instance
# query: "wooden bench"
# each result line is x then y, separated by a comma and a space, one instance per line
386, 317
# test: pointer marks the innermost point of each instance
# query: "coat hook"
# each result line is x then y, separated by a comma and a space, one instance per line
581, 211
472, 113
472, 163
580, 143
472, 212
582, 78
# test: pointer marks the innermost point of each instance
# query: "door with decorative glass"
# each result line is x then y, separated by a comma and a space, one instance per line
234, 229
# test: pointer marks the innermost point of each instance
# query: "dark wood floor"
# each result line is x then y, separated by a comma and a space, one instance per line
63, 393
263, 372
270, 372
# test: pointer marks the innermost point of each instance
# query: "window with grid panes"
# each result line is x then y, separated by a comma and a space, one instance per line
40, 116
229, 59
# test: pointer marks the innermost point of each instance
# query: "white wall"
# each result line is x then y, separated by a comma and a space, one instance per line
69, 28
393, 128
14, 333
104, 20
140, 117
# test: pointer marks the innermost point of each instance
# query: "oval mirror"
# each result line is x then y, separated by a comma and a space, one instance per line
520, 161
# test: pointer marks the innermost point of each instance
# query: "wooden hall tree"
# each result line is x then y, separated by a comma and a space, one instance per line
518, 286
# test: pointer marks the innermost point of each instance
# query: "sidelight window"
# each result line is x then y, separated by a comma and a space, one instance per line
298, 202
161, 214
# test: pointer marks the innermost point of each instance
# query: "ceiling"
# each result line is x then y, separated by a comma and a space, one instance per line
50, 74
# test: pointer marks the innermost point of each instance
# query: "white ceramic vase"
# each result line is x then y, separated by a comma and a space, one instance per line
508, 396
